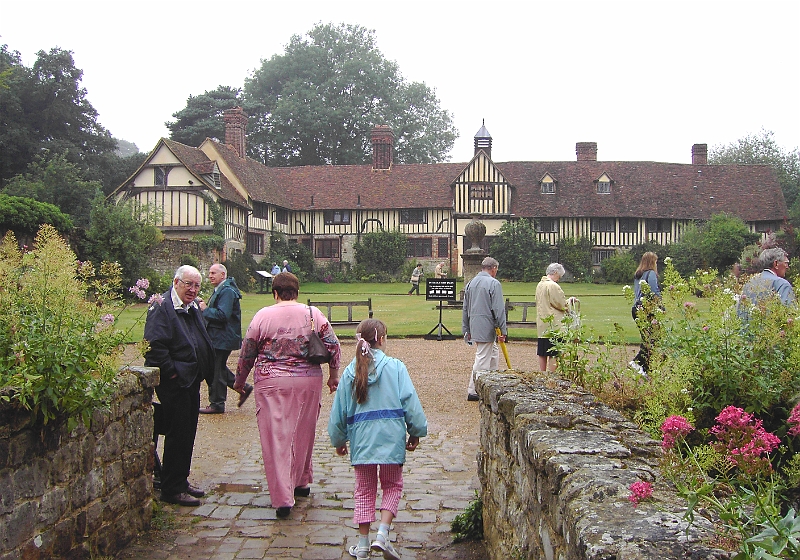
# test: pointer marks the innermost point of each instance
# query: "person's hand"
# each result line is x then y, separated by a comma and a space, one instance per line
502, 338
468, 338
341, 450
413, 442
201, 304
333, 380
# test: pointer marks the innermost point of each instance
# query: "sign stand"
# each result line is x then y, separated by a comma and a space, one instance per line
441, 289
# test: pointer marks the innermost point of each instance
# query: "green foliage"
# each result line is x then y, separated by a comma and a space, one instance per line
53, 179
761, 148
217, 215
191, 260
637, 251
381, 252
209, 242
724, 237
203, 115
619, 268
56, 354
121, 233
468, 526
576, 256
298, 255
522, 256
242, 267
316, 103
24, 216
45, 108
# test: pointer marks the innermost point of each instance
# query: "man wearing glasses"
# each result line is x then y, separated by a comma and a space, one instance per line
771, 281
182, 350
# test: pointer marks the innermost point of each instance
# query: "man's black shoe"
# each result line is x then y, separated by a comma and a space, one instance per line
183, 499
195, 491
473, 397
211, 410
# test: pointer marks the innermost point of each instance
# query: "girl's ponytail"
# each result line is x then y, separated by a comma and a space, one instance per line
368, 333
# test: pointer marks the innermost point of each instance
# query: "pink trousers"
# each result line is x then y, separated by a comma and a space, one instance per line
366, 493
287, 409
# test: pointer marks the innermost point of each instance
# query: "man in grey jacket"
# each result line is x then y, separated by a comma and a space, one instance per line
770, 282
484, 311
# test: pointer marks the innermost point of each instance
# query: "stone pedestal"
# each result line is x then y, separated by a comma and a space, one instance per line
474, 232
471, 264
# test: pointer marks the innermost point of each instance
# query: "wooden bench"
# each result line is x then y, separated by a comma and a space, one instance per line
524, 322
331, 305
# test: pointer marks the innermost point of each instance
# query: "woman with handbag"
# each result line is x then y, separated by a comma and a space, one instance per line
288, 386
643, 310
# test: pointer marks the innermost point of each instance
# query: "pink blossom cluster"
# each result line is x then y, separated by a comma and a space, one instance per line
155, 298
139, 289
794, 421
108, 318
640, 491
673, 429
745, 440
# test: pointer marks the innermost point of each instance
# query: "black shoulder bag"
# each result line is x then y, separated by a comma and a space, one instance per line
317, 351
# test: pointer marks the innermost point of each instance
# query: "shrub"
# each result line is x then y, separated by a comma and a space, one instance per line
381, 252
576, 256
242, 267
619, 268
191, 260
57, 349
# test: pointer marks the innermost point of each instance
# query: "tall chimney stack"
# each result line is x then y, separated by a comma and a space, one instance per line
382, 139
586, 151
700, 154
483, 141
235, 129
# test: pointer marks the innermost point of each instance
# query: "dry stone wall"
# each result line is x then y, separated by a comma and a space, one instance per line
83, 493
555, 466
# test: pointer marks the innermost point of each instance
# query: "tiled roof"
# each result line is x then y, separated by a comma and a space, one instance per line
198, 163
646, 190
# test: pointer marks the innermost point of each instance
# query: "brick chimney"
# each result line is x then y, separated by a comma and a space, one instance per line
382, 139
235, 128
586, 151
483, 141
700, 154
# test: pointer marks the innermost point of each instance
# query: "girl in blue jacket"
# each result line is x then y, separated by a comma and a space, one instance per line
375, 405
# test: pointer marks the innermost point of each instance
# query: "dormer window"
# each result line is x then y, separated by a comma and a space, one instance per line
548, 185
161, 174
604, 185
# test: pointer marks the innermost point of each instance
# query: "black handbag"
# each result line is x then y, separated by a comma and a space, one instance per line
317, 351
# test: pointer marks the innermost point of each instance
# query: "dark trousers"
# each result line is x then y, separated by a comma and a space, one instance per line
414, 287
176, 418
646, 332
223, 378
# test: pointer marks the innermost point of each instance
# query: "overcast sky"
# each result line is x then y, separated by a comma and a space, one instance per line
644, 79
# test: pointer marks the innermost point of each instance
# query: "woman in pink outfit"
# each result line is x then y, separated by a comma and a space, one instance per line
288, 388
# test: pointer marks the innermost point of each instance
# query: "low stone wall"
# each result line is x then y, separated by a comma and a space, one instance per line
82, 493
555, 466
165, 257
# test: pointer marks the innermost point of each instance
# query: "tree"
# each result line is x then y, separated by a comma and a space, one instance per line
51, 178
381, 251
119, 233
203, 115
724, 237
24, 216
761, 148
521, 254
576, 256
316, 103
45, 107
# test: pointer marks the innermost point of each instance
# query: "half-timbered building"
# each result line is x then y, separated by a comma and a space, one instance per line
329, 207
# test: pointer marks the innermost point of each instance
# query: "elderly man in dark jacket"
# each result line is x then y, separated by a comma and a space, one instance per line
223, 315
182, 350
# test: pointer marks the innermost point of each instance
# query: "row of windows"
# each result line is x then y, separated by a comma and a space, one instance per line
330, 248
626, 225
407, 216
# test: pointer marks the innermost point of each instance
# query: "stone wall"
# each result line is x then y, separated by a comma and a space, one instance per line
165, 257
83, 493
555, 466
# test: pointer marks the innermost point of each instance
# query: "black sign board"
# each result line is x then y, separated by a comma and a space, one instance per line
440, 289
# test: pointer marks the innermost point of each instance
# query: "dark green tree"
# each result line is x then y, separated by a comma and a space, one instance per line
762, 148
619, 268
120, 233
576, 256
300, 257
317, 102
242, 267
687, 253
23, 216
202, 116
381, 251
521, 254
45, 107
51, 178
724, 237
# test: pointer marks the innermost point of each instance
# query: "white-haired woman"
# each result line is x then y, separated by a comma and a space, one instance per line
550, 302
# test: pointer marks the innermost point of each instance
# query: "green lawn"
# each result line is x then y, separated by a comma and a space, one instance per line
601, 306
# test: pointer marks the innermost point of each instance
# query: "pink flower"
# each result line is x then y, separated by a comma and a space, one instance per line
745, 440
143, 283
705, 328
155, 298
640, 491
107, 318
688, 305
794, 421
138, 292
673, 429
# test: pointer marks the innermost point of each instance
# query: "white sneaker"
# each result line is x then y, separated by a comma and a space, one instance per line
359, 551
382, 544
